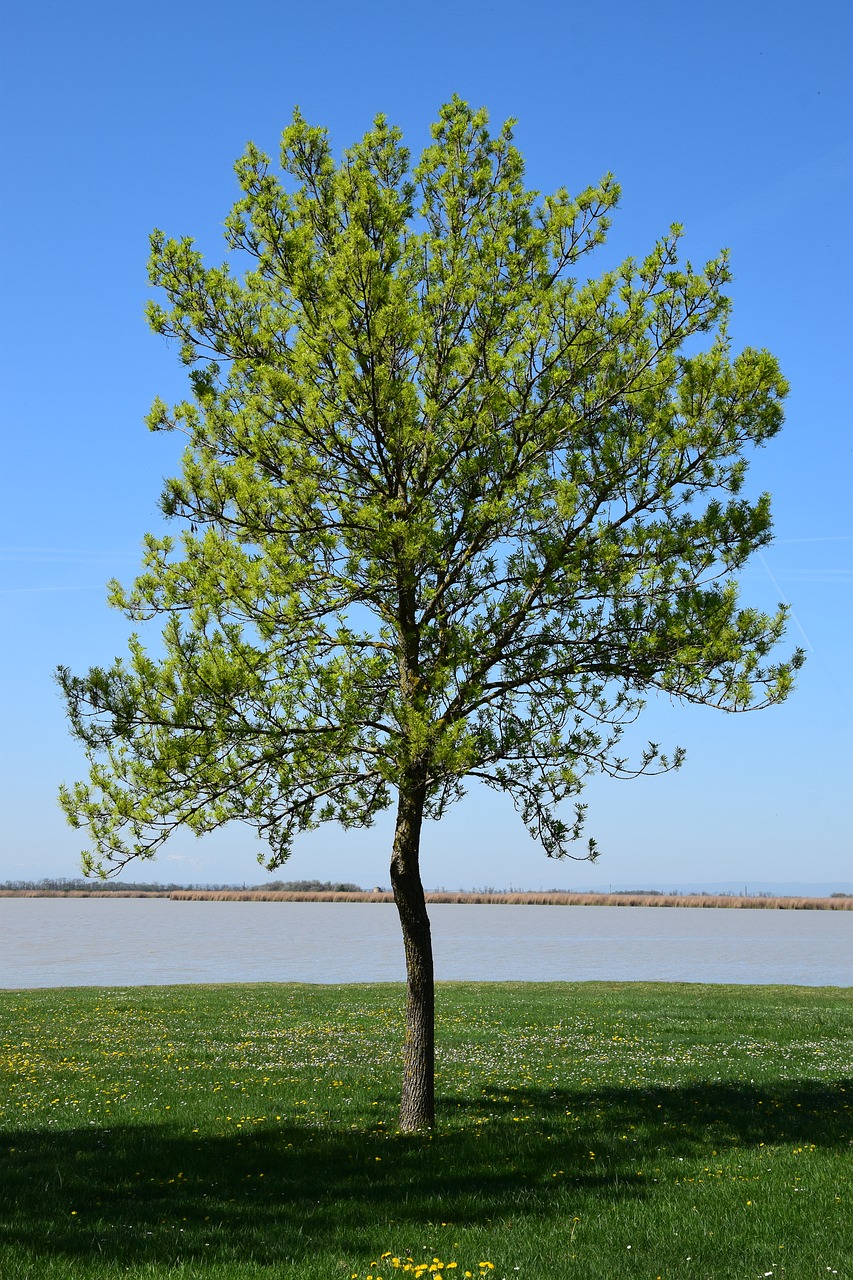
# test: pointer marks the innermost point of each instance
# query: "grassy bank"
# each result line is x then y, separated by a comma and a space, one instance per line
592, 1131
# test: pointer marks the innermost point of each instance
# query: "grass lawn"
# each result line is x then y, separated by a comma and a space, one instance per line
597, 1131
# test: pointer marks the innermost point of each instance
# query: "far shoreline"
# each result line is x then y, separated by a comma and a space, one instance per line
543, 899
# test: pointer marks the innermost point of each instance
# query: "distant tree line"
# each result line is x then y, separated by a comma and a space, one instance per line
311, 886
63, 885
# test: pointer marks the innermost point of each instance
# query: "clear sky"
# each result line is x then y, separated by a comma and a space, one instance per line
734, 119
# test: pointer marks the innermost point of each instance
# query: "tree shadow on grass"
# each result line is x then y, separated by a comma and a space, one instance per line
279, 1193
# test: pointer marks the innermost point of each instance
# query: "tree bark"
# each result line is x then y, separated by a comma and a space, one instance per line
417, 1103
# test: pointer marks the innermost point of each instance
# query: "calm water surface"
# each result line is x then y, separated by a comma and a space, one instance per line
47, 942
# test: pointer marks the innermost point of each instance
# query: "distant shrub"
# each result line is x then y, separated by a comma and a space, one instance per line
642, 893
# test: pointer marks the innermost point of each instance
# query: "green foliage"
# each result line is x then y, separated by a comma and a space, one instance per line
449, 510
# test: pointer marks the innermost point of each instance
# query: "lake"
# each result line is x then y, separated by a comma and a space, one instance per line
47, 942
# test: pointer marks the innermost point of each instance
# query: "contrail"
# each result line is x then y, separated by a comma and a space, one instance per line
836, 537
63, 555
786, 602
20, 591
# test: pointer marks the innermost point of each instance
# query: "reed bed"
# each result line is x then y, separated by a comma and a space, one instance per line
484, 899
84, 893
530, 899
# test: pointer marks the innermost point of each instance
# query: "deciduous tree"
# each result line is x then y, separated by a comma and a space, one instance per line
449, 512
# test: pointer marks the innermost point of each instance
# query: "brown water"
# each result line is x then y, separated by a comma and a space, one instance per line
46, 942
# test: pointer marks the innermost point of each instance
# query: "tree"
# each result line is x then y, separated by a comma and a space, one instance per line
449, 514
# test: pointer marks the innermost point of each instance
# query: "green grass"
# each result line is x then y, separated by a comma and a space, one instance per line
597, 1131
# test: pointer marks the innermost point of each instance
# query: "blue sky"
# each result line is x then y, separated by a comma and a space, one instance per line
734, 119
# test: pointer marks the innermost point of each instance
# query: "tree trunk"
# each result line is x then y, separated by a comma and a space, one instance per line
417, 1104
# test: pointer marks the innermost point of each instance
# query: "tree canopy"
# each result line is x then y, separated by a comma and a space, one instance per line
449, 512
